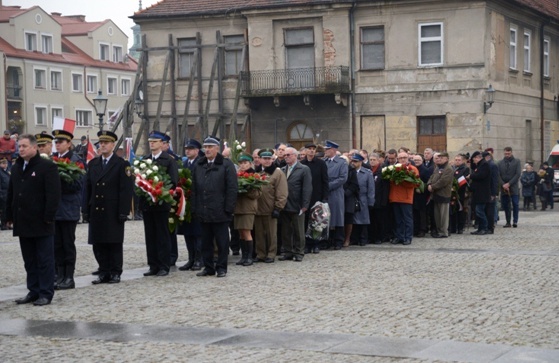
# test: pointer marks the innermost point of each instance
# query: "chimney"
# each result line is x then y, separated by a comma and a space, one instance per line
76, 17
53, 14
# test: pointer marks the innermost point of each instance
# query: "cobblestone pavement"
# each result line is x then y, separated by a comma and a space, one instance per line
490, 291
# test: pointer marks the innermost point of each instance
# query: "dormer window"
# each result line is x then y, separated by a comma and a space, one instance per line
117, 54
46, 43
30, 41
104, 52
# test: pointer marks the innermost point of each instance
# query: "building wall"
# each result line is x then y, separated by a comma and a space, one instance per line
36, 21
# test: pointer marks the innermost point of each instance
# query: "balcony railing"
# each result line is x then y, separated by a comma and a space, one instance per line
14, 91
296, 81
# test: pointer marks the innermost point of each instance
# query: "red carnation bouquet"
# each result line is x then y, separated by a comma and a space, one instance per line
152, 182
69, 170
399, 173
181, 194
248, 181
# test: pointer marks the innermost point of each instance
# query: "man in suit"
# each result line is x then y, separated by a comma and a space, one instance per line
33, 198
299, 190
337, 176
192, 230
156, 216
108, 197
67, 215
214, 195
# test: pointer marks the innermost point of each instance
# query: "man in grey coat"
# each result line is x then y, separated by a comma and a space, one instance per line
510, 170
337, 176
299, 187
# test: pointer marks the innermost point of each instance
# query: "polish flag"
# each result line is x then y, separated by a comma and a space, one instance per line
91, 153
66, 124
462, 181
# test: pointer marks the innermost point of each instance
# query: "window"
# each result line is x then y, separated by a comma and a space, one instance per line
372, 48
186, 56
546, 46
83, 118
56, 112
125, 87
40, 79
77, 82
512, 48
111, 86
92, 84
117, 54
56, 81
431, 44
40, 115
46, 42
299, 44
233, 54
431, 133
30, 41
103, 51
527, 38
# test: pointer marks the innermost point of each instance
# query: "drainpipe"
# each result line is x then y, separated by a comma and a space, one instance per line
542, 111
352, 72
5, 70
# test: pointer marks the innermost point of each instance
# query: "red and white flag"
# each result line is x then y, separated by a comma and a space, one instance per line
91, 153
462, 181
66, 124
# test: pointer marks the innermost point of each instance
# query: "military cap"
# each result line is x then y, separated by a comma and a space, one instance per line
156, 135
62, 135
107, 136
43, 138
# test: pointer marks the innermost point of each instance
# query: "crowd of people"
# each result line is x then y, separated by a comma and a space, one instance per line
274, 220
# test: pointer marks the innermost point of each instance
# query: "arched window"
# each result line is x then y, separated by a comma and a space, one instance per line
299, 134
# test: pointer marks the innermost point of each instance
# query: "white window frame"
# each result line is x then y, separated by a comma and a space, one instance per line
546, 56
527, 51
45, 85
43, 37
78, 118
45, 116
61, 85
25, 33
52, 115
94, 89
81, 82
122, 80
513, 43
421, 40
102, 44
115, 54
108, 85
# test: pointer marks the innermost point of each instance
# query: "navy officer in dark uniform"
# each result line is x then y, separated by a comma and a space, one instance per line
174, 245
156, 217
33, 198
108, 199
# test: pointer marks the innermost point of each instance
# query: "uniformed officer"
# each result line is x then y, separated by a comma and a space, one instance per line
108, 198
44, 143
174, 244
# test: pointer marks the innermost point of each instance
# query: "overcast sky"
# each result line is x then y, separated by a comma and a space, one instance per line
96, 10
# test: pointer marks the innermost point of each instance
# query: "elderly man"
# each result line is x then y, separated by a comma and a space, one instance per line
510, 169
440, 186
214, 195
270, 204
337, 176
299, 186
401, 197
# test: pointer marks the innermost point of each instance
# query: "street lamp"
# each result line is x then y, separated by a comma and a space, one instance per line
100, 104
490, 94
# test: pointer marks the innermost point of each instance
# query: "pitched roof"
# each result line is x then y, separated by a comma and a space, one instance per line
76, 25
8, 12
182, 8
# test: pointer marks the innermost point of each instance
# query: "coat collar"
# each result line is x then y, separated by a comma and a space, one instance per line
218, 160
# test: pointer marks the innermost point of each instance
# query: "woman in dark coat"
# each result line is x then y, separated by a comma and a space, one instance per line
351, 194
528, 180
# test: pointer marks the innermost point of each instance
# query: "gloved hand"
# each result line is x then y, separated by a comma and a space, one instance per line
122, 217
275, 213
85, 218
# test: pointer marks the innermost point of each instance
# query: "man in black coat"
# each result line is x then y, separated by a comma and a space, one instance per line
33, 198
156, 216
4, 182
319, 172
108, 198
174, 244
480, 177
214, 195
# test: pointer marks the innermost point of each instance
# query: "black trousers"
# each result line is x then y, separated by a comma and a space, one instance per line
174, 253
158, 239
220, 233
361, 234
194, 247
38, 259
65, 243
110, 257
490, 213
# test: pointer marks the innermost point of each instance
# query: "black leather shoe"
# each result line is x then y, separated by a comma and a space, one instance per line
162, 273
480, 232
316, 250
115, 279
67, 283
377, 242
150, 273
460, 231
269, 260
396, 241
514, 225
286, 258
490, 231
29, 298
197, 266
187, 266
221, 274
101, 280
257, 260
298, 258
440, 236
408, 242
96, 273
41, 301
205, 273
507, 225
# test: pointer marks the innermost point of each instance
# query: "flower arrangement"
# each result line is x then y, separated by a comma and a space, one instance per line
319, 222
248, 181
152, 182
69, 170
237, 149
399, 173
181, 194
455, 204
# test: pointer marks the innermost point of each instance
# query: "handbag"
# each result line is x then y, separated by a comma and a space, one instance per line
357, 205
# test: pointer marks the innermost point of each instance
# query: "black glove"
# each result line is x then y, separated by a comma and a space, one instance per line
275, 213
122, 217
85, 218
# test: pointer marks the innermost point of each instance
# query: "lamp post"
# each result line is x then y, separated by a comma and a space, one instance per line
100, 104
490, 94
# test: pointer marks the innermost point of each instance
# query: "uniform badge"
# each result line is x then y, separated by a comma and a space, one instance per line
128, 171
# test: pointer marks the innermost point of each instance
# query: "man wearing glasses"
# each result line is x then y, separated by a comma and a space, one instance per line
401, 197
